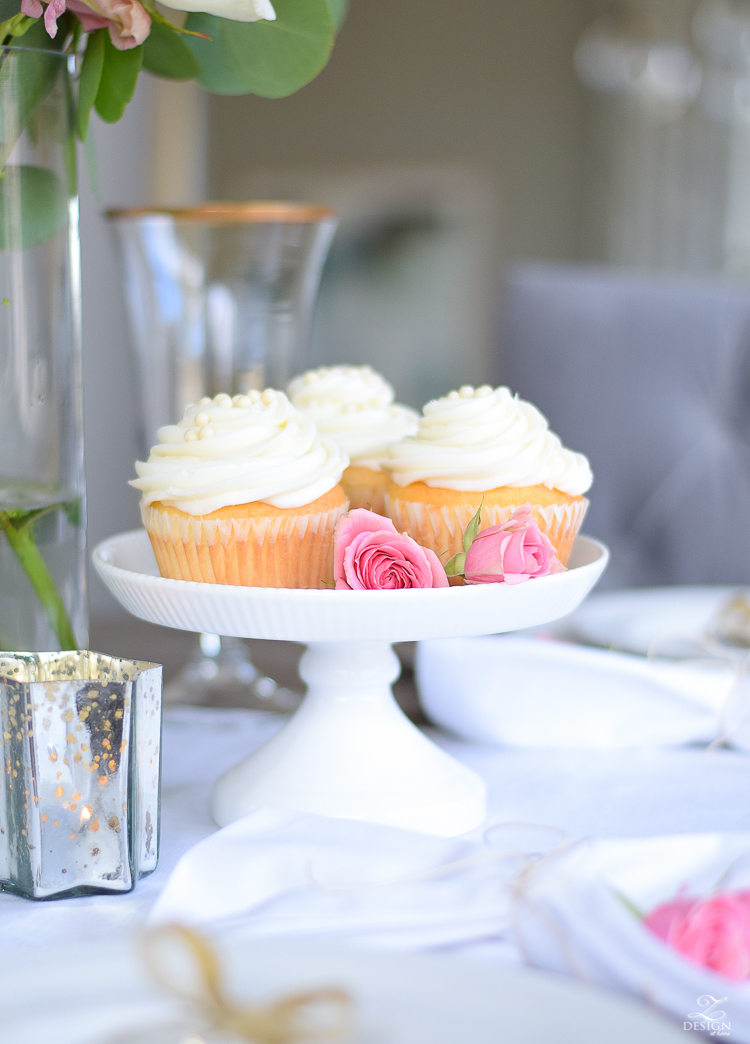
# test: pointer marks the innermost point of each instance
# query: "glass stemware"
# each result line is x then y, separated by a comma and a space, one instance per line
220, 298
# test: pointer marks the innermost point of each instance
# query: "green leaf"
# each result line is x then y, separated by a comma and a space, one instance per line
272, 59
88, 83
33, 206
338, 11
470, 533
74, 512
118, 80
27, 77
70, 145
37, 36
15, 26
19, 25
457, 565
92, 168
166, 54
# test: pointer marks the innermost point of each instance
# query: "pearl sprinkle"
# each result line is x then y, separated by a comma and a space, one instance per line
466, 391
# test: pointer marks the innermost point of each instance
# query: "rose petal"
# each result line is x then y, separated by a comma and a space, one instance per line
513, 551
54, 9
130, 24
714, 932
439, 576
369, 554
31, 8
350, 525
351, 572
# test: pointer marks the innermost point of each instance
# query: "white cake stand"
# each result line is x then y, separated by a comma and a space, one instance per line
349, 750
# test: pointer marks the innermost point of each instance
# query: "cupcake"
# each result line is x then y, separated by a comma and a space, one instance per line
243, 491
353, 405
484, 446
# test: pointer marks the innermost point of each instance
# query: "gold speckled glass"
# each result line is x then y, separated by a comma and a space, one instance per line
81, 749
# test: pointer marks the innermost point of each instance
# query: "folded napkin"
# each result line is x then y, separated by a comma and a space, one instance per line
516, 893
528, 692
571, 916
278, 871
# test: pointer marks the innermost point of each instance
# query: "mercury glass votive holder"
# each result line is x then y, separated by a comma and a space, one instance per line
81, 749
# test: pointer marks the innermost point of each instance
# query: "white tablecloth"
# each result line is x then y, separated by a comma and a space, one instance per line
585, 793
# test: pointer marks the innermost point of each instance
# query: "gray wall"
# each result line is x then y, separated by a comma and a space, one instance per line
486, 81
154, 154
123, 162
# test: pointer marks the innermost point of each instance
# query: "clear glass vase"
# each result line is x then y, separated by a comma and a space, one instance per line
220, 298
42, 509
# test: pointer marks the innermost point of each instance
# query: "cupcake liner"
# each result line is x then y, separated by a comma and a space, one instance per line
441, 528
365, 488
280, 551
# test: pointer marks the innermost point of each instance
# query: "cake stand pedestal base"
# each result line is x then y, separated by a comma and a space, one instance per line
349, 751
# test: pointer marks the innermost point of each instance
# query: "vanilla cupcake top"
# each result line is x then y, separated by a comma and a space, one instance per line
479, 439
354, 405
228, 451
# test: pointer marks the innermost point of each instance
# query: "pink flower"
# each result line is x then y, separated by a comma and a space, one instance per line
714, 932
512, 552
128, 21
369, 554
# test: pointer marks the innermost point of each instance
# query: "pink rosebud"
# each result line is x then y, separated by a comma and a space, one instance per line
128, 21
714, 932
369, 554
512, 552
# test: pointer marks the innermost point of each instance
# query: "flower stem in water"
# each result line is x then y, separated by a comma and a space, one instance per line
18, 528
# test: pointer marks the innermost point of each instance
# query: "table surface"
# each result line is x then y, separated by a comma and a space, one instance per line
583, 793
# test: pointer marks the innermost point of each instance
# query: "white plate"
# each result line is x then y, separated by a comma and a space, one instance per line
126, 565
668, 621
87, 995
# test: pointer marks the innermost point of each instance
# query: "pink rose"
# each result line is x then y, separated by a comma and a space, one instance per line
369, 554
128, 21
714, 932
512, 552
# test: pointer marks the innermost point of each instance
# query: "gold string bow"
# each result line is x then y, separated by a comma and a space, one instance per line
291, 1020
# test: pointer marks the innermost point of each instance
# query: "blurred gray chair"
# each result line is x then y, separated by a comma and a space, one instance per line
650, 378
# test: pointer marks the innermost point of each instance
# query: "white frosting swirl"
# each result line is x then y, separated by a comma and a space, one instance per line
354, 406
484, 438
237, 451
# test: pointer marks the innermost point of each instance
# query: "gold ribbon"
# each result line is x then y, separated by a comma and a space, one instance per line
290, 1020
